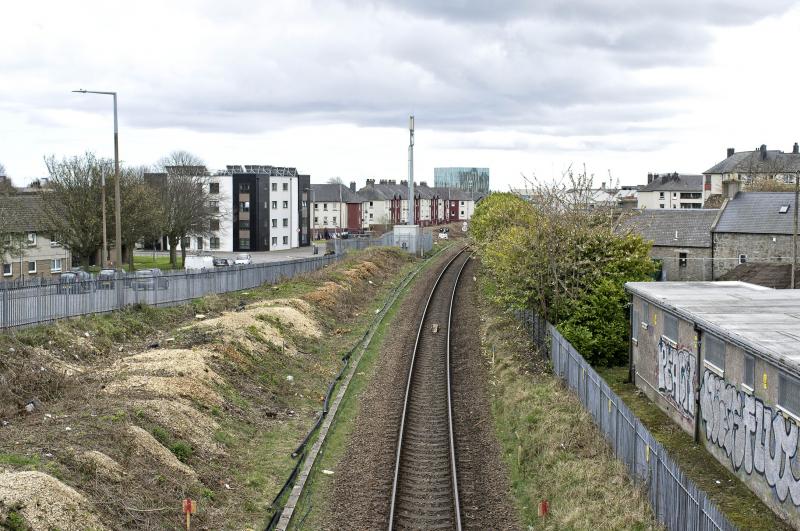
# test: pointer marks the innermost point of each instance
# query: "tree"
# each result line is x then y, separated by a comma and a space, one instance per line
185, 200
73, 204
12, 243
141, 209
564, 258
2, 170
335, 180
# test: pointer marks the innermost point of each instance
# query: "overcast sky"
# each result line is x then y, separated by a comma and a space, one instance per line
623, 86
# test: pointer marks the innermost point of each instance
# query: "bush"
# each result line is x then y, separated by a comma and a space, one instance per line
183, 451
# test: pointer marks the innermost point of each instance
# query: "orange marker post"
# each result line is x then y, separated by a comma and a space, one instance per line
189, 508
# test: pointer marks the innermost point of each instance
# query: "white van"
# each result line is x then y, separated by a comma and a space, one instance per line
199, 262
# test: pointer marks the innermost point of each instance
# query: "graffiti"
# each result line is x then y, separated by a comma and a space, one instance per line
753, 436
676, 376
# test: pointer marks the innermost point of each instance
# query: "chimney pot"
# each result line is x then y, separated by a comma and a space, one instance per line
392, 181
370, 182
796, 148
352, 186
731, 151
403, 183
763, 152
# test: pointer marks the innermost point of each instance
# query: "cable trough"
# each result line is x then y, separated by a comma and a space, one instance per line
425, 486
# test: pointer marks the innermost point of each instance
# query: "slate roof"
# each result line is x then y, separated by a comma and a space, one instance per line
760, 320
752, 162
673, 182
685, 227
24, 213
757, 213
331, 193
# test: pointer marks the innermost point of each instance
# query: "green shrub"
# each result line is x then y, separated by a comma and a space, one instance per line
183, 451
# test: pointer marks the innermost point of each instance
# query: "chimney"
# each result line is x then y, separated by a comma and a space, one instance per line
603, 185
383, 181
423, 183
392, 181
731, 151
352, 186
649, 178
796, 149
370, 182
763, 152
404, 183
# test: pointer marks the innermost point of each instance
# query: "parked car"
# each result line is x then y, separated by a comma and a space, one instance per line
243, 259
145, 279
107, 278
199, 262
76, 281
222, 262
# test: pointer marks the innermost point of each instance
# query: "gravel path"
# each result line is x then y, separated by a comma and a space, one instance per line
363, 479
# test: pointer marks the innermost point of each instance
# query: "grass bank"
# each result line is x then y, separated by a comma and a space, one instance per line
551, 447
743, 508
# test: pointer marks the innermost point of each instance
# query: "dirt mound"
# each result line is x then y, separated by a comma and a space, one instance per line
102, 465
45, 503
146, 445
184, 421
244, 328
363, 271
327, 295
166, 373
289, 316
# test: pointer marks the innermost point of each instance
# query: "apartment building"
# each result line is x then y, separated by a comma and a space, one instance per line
337, 208
671, 190
41, 254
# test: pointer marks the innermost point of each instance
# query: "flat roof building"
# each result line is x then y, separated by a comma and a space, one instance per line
722, 359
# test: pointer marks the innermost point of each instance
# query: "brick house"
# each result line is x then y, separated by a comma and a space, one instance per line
722, 360
42, 255
681, 240
753, 227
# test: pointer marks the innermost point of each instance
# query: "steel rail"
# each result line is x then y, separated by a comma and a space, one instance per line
401, 433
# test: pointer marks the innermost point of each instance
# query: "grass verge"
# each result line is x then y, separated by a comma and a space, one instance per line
743, 508
551, 447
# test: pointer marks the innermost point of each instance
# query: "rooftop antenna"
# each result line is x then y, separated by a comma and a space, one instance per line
410, 217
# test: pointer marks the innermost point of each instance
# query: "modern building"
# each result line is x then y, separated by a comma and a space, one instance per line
681, 240
732, 174
722, 360
754, 227
270, 207
337, 208
671, 190
42, 255
475, 180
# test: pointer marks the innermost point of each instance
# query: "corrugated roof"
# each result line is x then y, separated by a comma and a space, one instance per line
757, 213
674, 182
752, 162
686, 227
764, 321
24, 213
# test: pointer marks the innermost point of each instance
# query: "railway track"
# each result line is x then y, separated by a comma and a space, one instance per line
425, 486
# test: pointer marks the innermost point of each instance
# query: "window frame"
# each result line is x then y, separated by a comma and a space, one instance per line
10, 269
683, 259
285, 204
274, 240
712, 364
60, 267
31, 242
213, 188
285, 240
274, 187
749, 387
274, 223
670, 318
35, 267
285, 187
786, 410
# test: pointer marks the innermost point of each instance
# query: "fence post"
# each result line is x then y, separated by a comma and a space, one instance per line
5, 320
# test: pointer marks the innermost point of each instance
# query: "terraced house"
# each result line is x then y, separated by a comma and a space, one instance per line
40, 255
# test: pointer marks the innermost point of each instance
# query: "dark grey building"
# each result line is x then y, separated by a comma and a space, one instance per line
681, 240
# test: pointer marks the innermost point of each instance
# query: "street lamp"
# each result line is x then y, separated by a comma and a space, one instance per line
117, 202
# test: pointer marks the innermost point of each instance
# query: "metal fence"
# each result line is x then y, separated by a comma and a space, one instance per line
676, 501
388, 239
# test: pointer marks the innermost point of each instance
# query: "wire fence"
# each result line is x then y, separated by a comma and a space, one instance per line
676, 501
28, 303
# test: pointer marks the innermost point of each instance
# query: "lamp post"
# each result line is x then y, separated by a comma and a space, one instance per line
117, 201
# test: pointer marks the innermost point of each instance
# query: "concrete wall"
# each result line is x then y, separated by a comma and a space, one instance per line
698, 262
666, 368
728, 246
743, 428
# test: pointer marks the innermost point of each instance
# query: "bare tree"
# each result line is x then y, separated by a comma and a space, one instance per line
2, 170
185, 200
141, 209
335, 180
73, 204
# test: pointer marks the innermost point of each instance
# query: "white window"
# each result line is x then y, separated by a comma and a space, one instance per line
274, 222
55, 265
324, 206
661, 195
316, 220
285, 240
324, 221
285, 186
671, 327
715, 352
334, 220
274, 187
7, 270
316, 206
32, 267
370, 215
54, 242
286, 204
462, 212
370, 204
274, 204
31, 238
749, 377
285, 222
789, 394
742, 258
274, 240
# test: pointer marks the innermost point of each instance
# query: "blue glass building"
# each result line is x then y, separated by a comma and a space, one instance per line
468, 179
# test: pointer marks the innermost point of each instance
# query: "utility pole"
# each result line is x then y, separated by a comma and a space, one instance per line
105, 258
410, 218
794, 231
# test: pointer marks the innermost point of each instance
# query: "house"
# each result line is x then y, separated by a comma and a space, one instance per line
23, 217
753, 227
732, 174
337, 208
681, 240
722, 360
671, 190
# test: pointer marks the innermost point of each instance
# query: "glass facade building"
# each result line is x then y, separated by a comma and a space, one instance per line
468, 179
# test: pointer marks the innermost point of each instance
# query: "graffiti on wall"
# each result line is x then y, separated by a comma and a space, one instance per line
676, 376
754, 437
